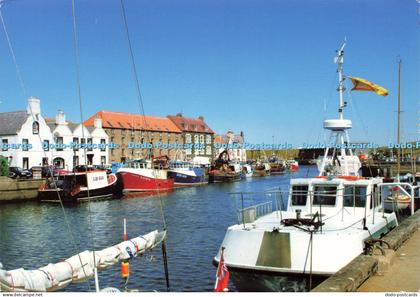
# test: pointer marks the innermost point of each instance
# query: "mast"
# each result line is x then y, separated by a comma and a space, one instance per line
342, 161
399, 119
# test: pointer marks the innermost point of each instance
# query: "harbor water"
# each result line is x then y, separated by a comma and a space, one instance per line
33, 235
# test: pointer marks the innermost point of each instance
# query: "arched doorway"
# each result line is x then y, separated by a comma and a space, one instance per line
59, 163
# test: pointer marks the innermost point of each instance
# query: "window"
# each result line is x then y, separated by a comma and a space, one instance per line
75, 144
201, 138
299, 195
355, 196
103, 145
35, 128
44, 161
195, 138
188, 138
25, 163
75, 161
82, 142
325, 195
25, 144
46, 145
5, 144
59, 143
208, 139
103, 160
208, 150
89, 142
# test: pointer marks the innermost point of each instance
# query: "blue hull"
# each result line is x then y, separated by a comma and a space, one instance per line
182, 179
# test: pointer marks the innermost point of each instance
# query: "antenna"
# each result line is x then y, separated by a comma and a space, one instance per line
339, 60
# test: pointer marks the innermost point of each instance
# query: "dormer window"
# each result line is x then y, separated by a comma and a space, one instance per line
35, 128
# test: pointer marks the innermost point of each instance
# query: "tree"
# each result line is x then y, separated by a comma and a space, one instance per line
4, 167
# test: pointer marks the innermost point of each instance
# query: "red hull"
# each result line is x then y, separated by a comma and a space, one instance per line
138, 183
294, 167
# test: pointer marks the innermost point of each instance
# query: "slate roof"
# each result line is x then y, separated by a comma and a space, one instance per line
224, 139
11, 122
122, 120
190, 124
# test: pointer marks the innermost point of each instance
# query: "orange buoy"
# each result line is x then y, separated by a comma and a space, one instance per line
125, 269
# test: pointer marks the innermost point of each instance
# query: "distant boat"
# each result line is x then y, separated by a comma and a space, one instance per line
247, 170
262, 169
186, 174
277, 166
142, 176
79, 186
293, 165
223, 170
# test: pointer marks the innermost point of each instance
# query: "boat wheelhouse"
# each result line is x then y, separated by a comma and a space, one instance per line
141, 176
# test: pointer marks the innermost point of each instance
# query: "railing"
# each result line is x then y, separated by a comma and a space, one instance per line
250, 214
254, 205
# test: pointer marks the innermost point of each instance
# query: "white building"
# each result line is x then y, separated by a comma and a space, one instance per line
27, 140
234, 144
22, 135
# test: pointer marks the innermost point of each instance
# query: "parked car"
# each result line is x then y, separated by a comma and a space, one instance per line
51, 169
15, 172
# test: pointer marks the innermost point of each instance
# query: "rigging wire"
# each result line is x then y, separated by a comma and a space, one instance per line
79, 92
141, 107
23, 89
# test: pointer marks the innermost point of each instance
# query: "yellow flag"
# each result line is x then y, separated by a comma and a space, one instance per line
360, 84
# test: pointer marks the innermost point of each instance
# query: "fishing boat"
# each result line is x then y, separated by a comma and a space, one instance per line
223, 170
293, 165
186, 174
247, 170
262, 169
314, 229
79, 186
277, 166
143, 176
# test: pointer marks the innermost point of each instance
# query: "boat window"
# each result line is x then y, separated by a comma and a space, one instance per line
299, 195
325, 195
355, 196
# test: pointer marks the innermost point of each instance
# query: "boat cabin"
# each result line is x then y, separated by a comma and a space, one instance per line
327, 196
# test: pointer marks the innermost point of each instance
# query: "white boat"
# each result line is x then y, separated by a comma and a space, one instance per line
247, 170
78, 268
293, 245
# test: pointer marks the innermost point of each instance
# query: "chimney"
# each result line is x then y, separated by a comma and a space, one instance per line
179, 114
60, 118
34, 106
242, 134
201, 118
97, 123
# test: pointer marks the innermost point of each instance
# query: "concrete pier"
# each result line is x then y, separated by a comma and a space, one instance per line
14, 190
403, 272
395, 268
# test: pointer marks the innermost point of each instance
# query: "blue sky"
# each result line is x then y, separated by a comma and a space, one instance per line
264, 67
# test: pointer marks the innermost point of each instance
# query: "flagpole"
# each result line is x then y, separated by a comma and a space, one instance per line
399, 118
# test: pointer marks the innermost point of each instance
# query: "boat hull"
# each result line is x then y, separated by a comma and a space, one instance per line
132, 182
251, 280
184, 179
51, 195
224, 177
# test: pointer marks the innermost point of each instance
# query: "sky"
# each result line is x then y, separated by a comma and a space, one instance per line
262, 67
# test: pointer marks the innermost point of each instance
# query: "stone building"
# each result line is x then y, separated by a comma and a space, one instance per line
196, 133
139, 136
